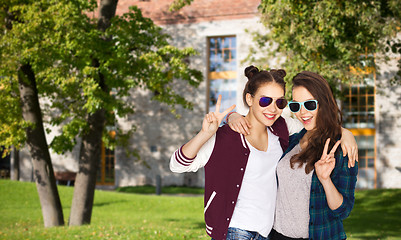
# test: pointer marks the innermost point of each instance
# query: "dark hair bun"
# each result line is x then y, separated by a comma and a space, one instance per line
251, 71
279, 72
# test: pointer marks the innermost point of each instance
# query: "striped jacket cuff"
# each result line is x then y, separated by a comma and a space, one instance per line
182, 159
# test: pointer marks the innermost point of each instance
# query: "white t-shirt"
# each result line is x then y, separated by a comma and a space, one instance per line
254, 210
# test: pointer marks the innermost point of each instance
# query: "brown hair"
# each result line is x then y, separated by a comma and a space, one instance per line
328, 120
257, 78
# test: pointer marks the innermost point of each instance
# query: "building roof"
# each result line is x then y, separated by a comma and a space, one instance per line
198, 11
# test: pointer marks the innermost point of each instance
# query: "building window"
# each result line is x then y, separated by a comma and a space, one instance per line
222, 77
106, 169
366, 154
359, 117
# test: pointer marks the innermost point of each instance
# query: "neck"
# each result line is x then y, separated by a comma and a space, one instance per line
258, 136
257, 128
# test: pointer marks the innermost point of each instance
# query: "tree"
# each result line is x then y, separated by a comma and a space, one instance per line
85, 182
325, 36
76, 63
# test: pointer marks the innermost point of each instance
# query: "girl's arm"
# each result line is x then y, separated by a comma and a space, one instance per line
349, 146
323, 169
339, 194
238, 123
182, 158
210, 125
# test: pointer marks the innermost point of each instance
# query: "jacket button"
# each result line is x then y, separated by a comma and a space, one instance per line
242, 169
246, 154
232, 202
237, 186
228, 219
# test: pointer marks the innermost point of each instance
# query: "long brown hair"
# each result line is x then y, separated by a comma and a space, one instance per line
328, 120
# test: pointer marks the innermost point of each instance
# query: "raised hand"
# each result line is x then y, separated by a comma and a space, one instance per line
327, 162
212, 120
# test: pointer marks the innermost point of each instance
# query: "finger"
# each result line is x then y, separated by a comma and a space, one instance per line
326, 147
334, 149
218, 104
207, 117
330, 155
248, 124
243, 130
351, 158
356, 155
245, 127
228, 110
212, 117
345, 150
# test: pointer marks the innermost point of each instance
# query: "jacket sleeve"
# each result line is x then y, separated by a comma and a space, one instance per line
179, 163
345, 182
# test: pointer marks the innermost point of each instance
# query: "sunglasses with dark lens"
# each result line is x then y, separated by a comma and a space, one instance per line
266, 101
309, 105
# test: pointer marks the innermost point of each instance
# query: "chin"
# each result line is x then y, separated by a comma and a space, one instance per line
309, 127
269, 123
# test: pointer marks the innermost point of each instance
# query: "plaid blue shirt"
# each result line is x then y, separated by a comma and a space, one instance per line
325, 223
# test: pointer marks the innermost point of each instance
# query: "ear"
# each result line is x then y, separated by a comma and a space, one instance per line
249, 99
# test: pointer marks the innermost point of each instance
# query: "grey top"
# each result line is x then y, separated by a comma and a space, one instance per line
292, 205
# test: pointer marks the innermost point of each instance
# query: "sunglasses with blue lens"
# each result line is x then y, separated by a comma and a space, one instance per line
309, 105
266, 101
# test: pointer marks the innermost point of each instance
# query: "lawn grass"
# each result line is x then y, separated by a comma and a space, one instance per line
115, 215
377, 215
165, 190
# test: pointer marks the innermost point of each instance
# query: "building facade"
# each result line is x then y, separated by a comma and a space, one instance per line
221, 32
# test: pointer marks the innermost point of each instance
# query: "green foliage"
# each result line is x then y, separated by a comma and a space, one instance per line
325, 36
178, 4
69, 55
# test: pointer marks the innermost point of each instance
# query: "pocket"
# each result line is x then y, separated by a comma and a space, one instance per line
210, 201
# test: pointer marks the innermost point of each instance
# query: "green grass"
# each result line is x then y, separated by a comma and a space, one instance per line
377, 215
115, 215
165, 190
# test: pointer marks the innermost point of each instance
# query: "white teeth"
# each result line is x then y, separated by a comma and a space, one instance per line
269, 116
306, 119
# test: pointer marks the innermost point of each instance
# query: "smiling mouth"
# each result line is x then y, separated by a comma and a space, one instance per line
270, 116
306, 120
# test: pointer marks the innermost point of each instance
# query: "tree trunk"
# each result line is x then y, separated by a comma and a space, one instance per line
38, 148
14, 168
85, 182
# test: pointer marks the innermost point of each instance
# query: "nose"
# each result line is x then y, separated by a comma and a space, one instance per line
272, 107
303, 110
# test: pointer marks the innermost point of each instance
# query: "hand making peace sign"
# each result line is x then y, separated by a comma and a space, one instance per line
212, 120
327, 162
